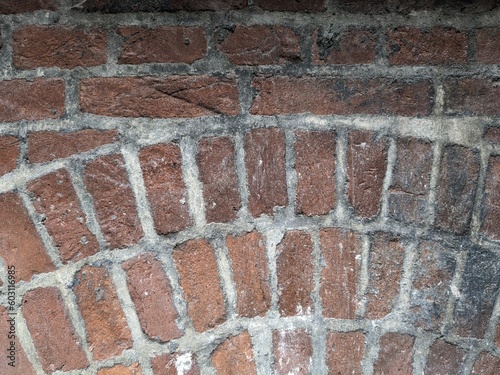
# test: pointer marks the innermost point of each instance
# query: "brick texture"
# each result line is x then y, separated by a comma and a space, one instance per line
344, 352
405, 7
471, 96
134, 369
491, 204
9, 153
235, 356
292, 352
16, 6
395, 355
444, 358
121, 6
293, 6
492, 134
175, 364
486, 364
488, 46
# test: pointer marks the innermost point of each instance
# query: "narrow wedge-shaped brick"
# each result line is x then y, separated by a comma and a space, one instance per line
444, 358
395, 355
9, 153
235, 356
344, 352
292, 352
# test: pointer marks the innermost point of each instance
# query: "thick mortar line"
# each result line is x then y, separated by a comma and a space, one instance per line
27, 343
391, 162
406, 284
6, 61
227, 284
239, 146
72, 96
437, 154
318, 266
273, 237
262, 344
475, 225
291, 173
342, 210
371, 349
363, 278
421, 346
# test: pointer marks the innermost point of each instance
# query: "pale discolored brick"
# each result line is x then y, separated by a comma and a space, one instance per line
292, 352
175, 364
134, 369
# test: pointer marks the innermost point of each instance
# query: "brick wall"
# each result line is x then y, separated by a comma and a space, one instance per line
249, 187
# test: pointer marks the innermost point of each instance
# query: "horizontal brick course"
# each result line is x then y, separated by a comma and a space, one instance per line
121, 6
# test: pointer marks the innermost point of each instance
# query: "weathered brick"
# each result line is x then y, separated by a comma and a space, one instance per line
295, 267
20, 244
36, 46
265, 164
491, 205
26, 6
9, 153
459, 172
488, 45
175, 364
49, 145
497, 335
31, 100
315, 166
344, 352
216, 164
408, 6
107, 332
444, 358
107, 182
174, 44
197, 267
492, 134
162, 173
235, 356
52, 332
250, 273
326, 96
121, 6
292, 352
293, 6
471, 96
134, 369
259, 45
353, 46
486, 364
173, 96
366, 167
395, 355
55, 198
152, 296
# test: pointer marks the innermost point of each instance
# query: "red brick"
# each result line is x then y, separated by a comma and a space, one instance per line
52, 332
407, 6
366, 168
20, 244
36, 46
134, 369
384, 272
395, 355
292, 352
293, 6
486, 364
173, 96
235, 356
26, 6
344, 352
174, 44
266, 176
107, 331
31, 100
492, 135
162, 172
250, 273
9, 153
444, 358
55, 198
488, 45
295, 269
151, 293
107, 182
197, 267
327, 96
49, 145
354, 46
472, 96
341, 251
259, 45
120, 6
459, 172
315, 167
216, 164
175, 364
491, 205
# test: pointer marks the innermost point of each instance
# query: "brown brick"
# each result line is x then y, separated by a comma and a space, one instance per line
175, 364
107, 330
120, 6
486, 364
472, 96
492, 134
174, 44
235, 356
407, 6
134, 369
9, 153
488, 45
491, 205
341, 251
265, 164
459, 172
173, 96
354, 46
55, 199
197, 267
250, 273
31, 100
444, 358
36, 46
20, 245
293, 6
327, 96
162, 172
26, 6
315, 167
216, 164
292, 352
107, 182
294, 267
259, 45
344, 352
52, 332
395, 355
49, 145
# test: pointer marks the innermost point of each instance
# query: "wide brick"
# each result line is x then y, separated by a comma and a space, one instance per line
173, 96
36, 46
491, 205
407, 6
366, 167
459, 172
52, 332
444, 358
341, 251
125, 6
327, 96
134, 369
197, 267
20, 244
488, 45
49, 145
292, 352
175, 364
9, 153
26, 6
295, 267
162, 173
31, 100
107, 182
486, 364
492, 134
235, 356
472, 96
293, 6
344, 352
175, 44
259, 45
107, 332
216, 165
55, 198
315, 167
395, 355
265, 164
151, 293
250, 273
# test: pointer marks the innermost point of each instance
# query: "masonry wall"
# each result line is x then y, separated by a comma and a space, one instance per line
261, 187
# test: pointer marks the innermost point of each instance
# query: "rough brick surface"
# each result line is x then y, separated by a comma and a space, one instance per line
344, 352
121, 6
294, 6
472, 96
497, 335
395, 355
492, 134
235, 356
491, 204
488, 46
56, 343
407, 6
175, 364
26, 6
353, 46
134, 369
486, 364
9, 153
444, 358
292, 352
